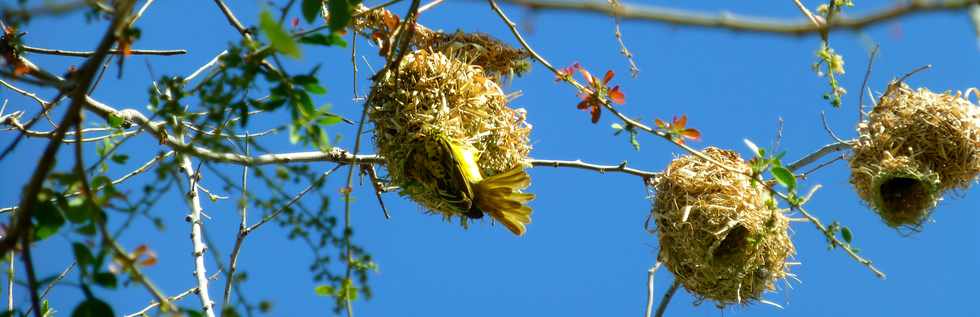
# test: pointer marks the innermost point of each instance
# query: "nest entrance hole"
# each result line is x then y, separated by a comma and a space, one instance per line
904, 197
734, 242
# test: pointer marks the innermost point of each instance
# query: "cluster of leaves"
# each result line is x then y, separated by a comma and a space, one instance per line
677, 129
597, 94
763, 161
829, 63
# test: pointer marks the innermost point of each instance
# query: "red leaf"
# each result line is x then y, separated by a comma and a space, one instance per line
660, 124
692, 133
608, 77
596, 112
295, 22
588, 76
680, 123
617, 95
584, 104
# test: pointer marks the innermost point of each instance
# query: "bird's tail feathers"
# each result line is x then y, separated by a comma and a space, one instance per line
501, 197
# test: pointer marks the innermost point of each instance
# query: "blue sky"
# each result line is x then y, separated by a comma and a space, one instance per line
586, 252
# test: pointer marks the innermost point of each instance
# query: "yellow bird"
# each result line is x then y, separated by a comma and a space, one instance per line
453, 169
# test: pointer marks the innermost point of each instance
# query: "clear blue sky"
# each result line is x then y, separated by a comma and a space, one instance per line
586, 253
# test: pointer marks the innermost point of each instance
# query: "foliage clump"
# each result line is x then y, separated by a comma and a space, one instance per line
431, 95
720, 232
914, 146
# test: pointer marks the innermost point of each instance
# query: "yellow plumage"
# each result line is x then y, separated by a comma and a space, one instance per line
463, 185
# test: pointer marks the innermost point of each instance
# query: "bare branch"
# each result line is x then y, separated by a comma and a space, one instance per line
826, 149
667, 296
198, 244
650, 275
48, 51
837, 243
178, 297
729, 21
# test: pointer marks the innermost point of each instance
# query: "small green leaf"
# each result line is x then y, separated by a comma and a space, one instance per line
340, 14
325, 290
634, 141
322, 39
120, 158
105, 279
311, 9
845, 233
82, 254
115, 121
92, 307
278, 37
784, 177
753, 147
48, 217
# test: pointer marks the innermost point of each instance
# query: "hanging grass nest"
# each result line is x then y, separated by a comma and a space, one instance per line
438, 95
496, 58
914, 146
720, 234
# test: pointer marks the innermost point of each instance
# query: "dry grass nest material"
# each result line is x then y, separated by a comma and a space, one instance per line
720, 234
436, 94
914, 146
497, 58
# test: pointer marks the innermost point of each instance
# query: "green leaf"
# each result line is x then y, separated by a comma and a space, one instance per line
115, 121
340, 14
325, 290
315, 89
311, 9
329, 120
92, 307
323, 39
753, 147
845, 233
105, 279
191, 312
278, 37
120, 158
784, 177
82, 254
48, 217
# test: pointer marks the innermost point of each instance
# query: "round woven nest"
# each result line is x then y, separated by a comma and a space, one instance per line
435, 94
721, 235
915, 146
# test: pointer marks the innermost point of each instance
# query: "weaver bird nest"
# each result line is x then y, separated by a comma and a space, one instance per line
914, 146
431, 94
495, 57
720, 234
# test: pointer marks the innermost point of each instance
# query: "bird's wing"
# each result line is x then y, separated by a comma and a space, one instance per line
455, 185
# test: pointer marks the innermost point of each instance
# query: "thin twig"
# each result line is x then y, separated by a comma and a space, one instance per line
837, 243
804, 175
914, 71
54, 282
650, 275
178, 297
48, 51
806, 12
667, 297
634, 70
826, 149
826, 127
196, 241
10, 281
242, 232
864, 83
292, 201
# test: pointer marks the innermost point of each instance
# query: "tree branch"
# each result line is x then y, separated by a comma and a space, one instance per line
112, 51
729, 21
